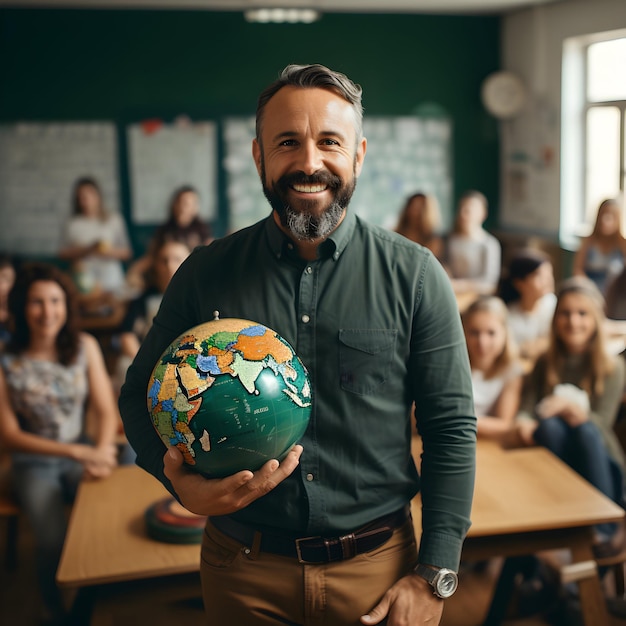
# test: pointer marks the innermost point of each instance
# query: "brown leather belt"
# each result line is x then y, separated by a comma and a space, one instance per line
317, 549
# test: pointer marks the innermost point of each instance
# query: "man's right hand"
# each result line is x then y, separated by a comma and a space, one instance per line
221, 496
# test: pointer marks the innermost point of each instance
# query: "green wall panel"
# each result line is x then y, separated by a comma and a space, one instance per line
128, 65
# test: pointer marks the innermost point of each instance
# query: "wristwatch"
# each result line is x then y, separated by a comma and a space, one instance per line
443, 581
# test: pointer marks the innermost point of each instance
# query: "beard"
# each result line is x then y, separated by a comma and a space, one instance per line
306, 222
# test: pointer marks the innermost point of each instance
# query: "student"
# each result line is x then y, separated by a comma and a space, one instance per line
602, 254
374, 319
571, 399
49, 373
95, 241
496, 372
7, 278
183, 223
167, 257
472, 255
527, 288
420, 220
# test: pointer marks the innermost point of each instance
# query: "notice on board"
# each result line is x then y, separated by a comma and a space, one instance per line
39, 164
164, 157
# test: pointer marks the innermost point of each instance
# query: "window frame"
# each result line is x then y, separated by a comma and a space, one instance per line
576, 217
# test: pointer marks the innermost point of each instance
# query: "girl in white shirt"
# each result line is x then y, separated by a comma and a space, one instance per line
96, 242
527, 289
496, 372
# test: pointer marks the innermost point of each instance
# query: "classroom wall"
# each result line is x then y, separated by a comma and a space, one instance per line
131, 65
532, 47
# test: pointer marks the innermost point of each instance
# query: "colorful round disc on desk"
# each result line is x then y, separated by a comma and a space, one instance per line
170, 522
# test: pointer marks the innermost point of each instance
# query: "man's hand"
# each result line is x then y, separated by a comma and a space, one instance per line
221, 496
410, 602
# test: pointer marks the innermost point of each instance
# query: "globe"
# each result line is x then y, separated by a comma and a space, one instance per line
230, 394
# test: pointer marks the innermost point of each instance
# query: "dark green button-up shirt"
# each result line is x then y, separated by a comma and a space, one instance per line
375, 321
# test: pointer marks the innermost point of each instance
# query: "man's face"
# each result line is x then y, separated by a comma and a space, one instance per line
308, 159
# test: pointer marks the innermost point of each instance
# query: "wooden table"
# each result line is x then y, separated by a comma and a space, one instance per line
525, 501
112, 564
106, 538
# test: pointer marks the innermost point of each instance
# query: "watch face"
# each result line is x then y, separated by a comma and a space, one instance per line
446, 584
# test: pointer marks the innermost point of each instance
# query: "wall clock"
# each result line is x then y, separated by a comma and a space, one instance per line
503, 94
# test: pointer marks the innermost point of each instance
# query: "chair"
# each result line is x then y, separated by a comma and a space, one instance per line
615, 564
10, 510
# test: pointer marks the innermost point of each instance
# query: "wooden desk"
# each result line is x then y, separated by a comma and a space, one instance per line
526, 501
102, 313
106, 538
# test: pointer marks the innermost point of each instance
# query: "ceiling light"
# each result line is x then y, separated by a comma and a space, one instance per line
291, 16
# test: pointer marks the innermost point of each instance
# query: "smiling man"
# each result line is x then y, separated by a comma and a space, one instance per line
325, 536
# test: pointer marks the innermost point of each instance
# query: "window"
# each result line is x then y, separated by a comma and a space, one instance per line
593, 130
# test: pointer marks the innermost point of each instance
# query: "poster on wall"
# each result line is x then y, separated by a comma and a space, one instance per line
165, 156
404, 155
39, 164
530, 172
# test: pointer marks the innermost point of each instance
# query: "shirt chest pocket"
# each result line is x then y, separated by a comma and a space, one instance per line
365, 358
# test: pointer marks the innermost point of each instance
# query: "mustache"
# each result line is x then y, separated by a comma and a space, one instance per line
322, 177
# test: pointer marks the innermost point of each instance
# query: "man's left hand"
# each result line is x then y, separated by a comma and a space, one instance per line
410, 602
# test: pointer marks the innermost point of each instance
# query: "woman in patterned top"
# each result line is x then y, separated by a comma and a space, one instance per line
50, 375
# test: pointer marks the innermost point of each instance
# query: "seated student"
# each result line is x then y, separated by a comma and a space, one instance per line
7, 278
472, 255
602, 254
420, 220
496, 372
527, 288
183, 223
571, 398
50, 373
95, 242
166, 258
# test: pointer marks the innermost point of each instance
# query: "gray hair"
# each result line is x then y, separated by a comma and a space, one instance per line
311, 76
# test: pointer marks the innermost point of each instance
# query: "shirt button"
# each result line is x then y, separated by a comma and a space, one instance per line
309, 269
309, 477
306, 319
290, 246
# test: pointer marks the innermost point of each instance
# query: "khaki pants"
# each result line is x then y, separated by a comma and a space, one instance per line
244, 587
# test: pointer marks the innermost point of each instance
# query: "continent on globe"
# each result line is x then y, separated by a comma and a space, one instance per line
230, 394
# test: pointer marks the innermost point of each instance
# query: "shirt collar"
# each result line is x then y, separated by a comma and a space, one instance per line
331, 248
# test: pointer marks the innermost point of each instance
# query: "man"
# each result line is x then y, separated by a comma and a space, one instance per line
324, 537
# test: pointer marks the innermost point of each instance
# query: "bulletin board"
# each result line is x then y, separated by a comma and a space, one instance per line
39, 163
163, 157
404, 155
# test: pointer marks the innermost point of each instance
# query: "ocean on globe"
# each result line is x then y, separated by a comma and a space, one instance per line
230, 394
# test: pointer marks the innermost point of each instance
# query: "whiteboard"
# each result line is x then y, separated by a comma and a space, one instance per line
163, 157
39, 163
404, 155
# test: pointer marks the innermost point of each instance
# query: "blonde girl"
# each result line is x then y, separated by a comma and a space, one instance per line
496, 371
573, 394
